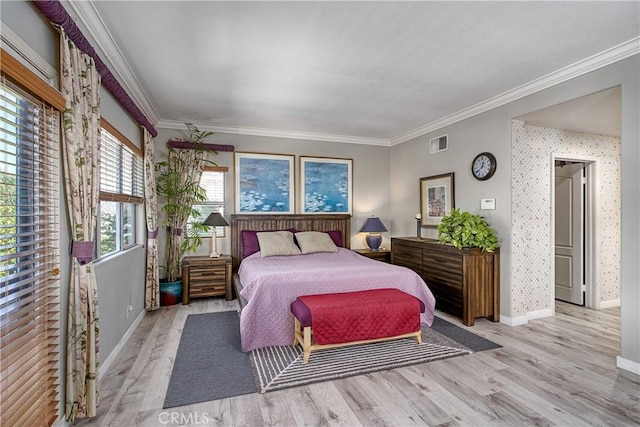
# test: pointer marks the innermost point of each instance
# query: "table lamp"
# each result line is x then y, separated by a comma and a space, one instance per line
374, 227
215, 220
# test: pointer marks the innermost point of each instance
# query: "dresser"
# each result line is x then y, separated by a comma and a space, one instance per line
203, 276
466, 283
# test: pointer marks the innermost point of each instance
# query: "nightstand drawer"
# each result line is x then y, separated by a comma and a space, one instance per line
207, 274
206, 289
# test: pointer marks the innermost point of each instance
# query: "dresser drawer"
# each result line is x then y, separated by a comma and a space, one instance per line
441, 260
442, 278
407, 256
448, 299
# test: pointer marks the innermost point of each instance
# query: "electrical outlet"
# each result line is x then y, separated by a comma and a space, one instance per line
129, 308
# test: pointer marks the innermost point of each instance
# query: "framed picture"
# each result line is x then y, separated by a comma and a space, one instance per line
326, 185
436, 198
264, 183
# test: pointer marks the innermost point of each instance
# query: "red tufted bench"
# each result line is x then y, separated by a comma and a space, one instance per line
340, 319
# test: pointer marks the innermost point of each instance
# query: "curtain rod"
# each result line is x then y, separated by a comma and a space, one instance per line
57, 14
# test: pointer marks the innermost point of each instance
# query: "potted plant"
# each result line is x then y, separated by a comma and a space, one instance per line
467, 230
178, 187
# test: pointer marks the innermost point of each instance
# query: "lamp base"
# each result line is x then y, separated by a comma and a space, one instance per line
214, 253
374, 241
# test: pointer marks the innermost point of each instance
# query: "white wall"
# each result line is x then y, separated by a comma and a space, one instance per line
490, 131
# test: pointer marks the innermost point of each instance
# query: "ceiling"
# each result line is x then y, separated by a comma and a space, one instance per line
369, 72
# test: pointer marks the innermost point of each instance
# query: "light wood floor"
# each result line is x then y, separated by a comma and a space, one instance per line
553, 371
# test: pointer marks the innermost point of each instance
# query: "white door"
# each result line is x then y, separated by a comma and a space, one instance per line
569, 238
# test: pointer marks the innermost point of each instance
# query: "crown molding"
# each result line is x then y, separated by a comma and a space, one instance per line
584, 66
27, 56
276, 133
87, 14
89, 17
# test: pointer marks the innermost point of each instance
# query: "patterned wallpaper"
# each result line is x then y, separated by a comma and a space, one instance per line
532, 252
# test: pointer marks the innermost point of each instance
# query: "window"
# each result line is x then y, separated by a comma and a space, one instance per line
213, 181
29, 258
121, 190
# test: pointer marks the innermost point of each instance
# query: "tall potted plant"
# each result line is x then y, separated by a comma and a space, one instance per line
178, 185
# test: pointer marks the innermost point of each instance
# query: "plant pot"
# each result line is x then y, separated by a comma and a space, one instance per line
170, 292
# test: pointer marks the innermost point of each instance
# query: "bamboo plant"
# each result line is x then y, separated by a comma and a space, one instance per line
178, 185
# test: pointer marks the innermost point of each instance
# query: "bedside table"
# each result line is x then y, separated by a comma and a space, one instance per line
203, 276
383, 255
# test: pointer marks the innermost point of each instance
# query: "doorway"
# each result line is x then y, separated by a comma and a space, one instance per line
569, 219
573, 231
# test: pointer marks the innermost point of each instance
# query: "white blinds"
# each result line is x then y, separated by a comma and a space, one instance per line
213, 181
29, 260
121, 171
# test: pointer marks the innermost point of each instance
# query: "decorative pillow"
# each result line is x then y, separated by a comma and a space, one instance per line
250, 243
277, 243
336, 236
315, 241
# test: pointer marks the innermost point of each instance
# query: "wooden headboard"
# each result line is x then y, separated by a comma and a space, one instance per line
267, 222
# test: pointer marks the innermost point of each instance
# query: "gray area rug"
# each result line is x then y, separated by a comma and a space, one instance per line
209, 364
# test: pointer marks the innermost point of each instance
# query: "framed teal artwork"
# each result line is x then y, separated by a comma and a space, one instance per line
326, 185
264, 183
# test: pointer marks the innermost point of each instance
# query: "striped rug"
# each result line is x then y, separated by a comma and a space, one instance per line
275, 368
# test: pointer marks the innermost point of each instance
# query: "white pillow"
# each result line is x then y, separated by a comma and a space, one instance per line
277, 243
315, 241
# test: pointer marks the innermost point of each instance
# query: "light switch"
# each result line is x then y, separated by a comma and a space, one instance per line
487, 203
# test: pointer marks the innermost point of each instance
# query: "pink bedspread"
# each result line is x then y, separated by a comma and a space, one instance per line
271, 284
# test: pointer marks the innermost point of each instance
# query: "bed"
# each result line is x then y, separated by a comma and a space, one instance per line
267, 286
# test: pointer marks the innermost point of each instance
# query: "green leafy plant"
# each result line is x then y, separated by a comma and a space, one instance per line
180, 191
467, 230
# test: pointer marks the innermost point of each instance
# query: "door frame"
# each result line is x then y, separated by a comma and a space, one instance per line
591, 255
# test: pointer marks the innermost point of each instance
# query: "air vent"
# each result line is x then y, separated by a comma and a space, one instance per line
438, 144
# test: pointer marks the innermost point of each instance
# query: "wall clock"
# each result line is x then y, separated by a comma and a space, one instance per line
483, 166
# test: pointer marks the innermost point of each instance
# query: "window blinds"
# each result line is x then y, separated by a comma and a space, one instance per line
121, 171
29, 260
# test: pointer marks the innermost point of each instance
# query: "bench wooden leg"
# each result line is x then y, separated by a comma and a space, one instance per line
306, 346
296, 331
419, 337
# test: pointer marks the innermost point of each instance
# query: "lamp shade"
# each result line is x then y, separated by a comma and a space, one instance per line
373, 225
215, 220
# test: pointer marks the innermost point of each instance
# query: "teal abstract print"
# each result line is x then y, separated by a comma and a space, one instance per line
326, 185
264, 183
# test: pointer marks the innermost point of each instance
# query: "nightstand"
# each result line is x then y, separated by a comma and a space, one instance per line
383, 255
203, 276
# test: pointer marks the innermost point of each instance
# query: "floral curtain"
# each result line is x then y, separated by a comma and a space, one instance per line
152, 285
81, 147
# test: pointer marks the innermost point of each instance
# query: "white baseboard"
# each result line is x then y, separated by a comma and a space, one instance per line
628, 365
610, 303
523, 320
539, 314
104, 367
514, 321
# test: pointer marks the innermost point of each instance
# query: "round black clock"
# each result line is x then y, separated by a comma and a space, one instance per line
483, 166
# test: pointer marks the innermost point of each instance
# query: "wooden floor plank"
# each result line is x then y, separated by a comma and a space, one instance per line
553, 371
